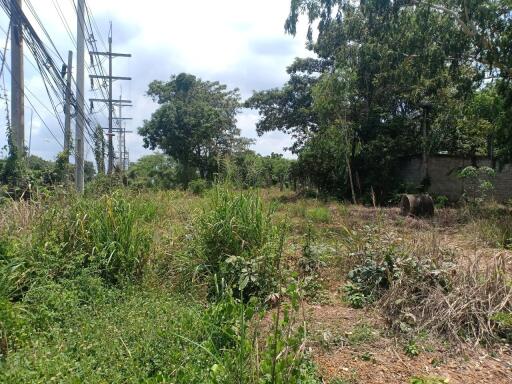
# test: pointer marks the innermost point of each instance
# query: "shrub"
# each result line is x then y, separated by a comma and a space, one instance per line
198, 186
477, 184
239, 245
441, 201
372, 276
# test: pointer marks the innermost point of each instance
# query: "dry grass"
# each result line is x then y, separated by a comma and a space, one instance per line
457, 300
17, 216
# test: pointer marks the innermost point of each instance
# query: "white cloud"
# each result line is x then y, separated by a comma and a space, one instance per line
239, 42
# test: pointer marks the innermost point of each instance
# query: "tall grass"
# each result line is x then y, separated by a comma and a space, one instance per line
74, 308
106, 235
238, 243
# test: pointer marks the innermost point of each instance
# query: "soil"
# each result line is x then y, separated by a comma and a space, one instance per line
383, 359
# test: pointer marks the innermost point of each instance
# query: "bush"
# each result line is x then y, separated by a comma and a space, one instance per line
372, 276
441, 201
239, 245
198, 187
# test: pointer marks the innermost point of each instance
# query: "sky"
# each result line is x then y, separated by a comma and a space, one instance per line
240, 43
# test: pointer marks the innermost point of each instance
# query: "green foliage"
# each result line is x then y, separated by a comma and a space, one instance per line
477, 184
198, 186
97, 236
361, 334
238, 243
250, 170
153, 171
441, 202
195, 124
411, 349
354, 296
73, 306
504, 323
99, 149
385, 74
310, 265
370, 278
319, 215
289, 109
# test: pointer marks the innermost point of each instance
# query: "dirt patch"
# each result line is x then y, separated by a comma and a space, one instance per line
376, 357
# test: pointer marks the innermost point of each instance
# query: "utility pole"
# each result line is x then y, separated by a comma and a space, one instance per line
110, 166
67, 108
30, 132
110, 101
17, 79
121, 135
80, 85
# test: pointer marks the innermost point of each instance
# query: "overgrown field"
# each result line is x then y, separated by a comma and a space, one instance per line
251, 287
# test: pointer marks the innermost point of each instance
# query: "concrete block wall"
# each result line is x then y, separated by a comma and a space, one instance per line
443, 171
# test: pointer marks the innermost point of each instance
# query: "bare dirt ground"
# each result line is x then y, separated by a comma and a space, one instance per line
381, 358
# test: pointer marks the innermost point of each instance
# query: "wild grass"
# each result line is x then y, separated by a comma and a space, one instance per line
238, 243
319, 215
81, 300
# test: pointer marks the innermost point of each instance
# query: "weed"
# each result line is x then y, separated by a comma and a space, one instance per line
198, 187
239, 245
411, 349
309, 265
319, 215
503, 321
354, 296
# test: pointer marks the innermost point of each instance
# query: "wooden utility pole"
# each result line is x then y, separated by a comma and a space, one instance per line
110, 101
67, 108
17, 79
80, 86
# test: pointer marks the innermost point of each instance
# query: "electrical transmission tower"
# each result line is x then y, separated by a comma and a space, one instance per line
110, 102
123, 157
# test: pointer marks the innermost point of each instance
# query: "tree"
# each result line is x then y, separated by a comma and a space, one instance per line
154, 171
290, 108
195, 123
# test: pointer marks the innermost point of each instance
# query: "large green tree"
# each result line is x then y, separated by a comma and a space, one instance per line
392, 79
195, 123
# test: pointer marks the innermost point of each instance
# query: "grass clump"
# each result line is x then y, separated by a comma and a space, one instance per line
238, 244
198, 187
105, 236
319, 215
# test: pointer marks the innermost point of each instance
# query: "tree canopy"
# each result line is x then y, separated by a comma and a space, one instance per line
393, 79
195, 123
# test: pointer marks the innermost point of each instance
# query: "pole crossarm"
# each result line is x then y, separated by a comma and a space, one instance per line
110, 54
109, 77
113, 101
